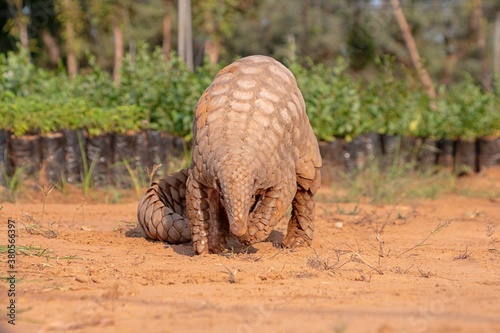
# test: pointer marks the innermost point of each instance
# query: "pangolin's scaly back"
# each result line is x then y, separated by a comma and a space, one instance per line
253, 105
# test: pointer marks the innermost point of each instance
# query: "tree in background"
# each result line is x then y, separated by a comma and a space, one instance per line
217, 20
361, 44
18, 23
111, 17
422, 73
167, 27
71, 17
453, 36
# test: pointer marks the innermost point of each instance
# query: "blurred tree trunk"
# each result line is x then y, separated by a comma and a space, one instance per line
167, 28
185, 33
69, 11
477, 27
21, 21
211, 28
496, 61
118, 44
423, 75
52, 47
304, 20
72, 61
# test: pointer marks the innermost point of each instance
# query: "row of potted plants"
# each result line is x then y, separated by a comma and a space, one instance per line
155, 97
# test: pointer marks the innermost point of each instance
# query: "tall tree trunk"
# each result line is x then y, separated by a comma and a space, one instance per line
481, 44
167, 29
413, 50
71, 57
16, 11
23, 34
496, 61
212, 44
304, 20
189, 37
51, 45
185, 33
119, 50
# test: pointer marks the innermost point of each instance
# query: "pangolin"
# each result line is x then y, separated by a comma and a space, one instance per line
254, 157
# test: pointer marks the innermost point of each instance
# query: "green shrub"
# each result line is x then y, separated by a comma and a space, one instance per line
332, 99
395, 105
470, 112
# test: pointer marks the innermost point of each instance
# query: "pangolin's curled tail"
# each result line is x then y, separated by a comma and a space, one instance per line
161, 212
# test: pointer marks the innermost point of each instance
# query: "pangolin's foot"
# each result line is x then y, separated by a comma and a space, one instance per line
213, 243
204, 248
296, 238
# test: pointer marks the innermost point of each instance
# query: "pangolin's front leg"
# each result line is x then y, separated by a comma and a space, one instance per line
301, 225
269, 209
207, 221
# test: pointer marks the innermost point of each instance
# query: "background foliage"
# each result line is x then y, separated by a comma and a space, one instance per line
160, 95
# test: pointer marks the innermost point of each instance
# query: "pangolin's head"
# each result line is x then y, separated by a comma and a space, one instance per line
237, 185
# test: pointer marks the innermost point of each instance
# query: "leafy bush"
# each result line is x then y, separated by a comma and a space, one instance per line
332, 99
17, 73
470, 113
395, 105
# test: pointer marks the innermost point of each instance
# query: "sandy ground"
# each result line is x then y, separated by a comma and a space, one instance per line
427, 266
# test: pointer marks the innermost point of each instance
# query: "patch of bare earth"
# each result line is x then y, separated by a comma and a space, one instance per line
428, 266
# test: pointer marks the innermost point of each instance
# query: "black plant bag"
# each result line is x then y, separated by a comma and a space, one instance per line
465, 157
24, 152
53, 157
131, 149
74, 142
489, 152
3, 157
99, 155
362, 151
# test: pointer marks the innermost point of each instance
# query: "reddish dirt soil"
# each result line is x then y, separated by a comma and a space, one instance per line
372, 268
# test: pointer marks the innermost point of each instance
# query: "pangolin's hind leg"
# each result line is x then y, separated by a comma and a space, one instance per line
301, 225
161, 211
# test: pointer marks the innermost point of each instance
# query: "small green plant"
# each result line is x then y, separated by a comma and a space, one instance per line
183, 161
392, 186
28, 250
62, 184
112, 195
87, 170
137, 177
14, 183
